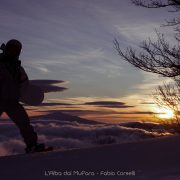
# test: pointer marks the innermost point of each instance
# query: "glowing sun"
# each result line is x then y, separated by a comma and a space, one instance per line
165, 113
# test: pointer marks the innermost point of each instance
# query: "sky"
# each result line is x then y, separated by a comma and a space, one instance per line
71, 41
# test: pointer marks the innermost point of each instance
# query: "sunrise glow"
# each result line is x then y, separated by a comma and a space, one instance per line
165, 113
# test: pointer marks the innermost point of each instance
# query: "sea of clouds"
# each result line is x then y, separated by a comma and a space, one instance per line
64, 134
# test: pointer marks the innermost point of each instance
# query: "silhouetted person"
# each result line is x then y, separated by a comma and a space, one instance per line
12, 76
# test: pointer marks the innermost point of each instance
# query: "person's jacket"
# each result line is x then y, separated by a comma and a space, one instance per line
13, 80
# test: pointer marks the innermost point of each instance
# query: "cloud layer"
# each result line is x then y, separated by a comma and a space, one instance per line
110, 104
49, 85
67, 132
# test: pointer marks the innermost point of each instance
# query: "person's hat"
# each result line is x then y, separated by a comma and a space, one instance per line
14, 43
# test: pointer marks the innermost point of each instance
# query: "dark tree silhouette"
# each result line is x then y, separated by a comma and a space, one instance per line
156, 57
168, 95
159, 57
174, 4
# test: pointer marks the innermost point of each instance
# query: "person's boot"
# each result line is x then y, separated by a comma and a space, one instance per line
35, 148
38, 148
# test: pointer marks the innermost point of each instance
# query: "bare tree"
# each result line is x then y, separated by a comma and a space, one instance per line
159, 57
157, 3
156, 57
174, 4
168, 96
175, 7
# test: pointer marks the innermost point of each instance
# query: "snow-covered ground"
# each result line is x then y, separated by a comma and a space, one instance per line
154, 159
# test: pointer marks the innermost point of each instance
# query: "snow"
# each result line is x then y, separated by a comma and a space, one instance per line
151, 159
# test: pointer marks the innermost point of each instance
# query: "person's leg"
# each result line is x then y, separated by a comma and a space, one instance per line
1, 111
17, 113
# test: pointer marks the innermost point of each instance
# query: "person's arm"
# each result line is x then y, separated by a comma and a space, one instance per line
24, 77
24, 81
